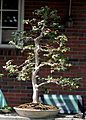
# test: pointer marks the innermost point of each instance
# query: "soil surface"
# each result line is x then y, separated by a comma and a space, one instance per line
37, 106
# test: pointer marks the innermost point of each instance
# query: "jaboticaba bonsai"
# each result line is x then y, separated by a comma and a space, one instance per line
46, 46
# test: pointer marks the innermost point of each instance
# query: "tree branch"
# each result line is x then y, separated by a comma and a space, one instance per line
41, 34
48, 82
24, 63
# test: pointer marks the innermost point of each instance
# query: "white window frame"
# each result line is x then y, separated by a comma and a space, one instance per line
20, 21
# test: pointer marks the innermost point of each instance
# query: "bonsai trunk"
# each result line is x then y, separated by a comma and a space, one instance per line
35, 88
35, 71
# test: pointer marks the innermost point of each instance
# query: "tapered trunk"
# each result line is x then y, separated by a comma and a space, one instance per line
36, 69
34, 73
35, 88
35, 95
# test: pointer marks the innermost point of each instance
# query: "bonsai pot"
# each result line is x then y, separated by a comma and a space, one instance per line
30, 113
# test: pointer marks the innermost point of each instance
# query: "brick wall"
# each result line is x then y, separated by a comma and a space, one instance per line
77, 42
17, 92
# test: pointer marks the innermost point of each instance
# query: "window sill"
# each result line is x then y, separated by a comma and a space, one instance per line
6, 46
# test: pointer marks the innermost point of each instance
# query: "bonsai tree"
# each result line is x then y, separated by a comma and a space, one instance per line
45, 44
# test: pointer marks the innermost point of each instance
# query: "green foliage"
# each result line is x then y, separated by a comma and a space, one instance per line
21, 72
50, 17
20, 40
11, 68
1, 75
6, 109
71, 83
46, 29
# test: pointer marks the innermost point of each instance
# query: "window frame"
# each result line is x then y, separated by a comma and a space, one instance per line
20, 22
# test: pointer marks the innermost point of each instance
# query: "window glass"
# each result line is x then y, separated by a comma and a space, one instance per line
10, 4
6, 35
11, 15
10, 18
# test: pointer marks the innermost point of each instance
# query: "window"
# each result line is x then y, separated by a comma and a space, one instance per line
11, 17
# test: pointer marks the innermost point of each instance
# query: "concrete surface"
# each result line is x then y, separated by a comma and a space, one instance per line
17, 117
